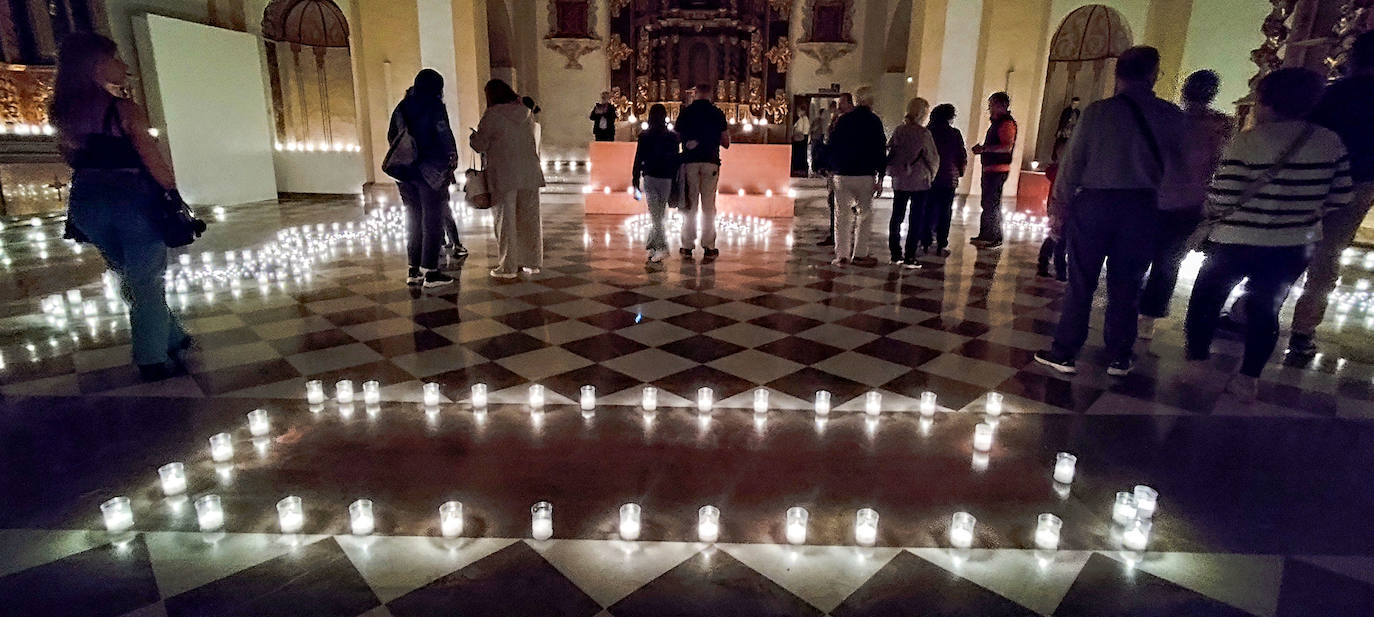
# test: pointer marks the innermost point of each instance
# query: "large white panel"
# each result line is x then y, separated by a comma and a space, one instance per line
204, 86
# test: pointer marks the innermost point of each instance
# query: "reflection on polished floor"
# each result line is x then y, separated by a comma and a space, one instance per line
1260, 506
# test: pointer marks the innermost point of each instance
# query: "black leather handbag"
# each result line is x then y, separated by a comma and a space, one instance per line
171, 215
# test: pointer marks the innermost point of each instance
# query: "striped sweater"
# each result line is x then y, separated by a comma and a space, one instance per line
1289, 210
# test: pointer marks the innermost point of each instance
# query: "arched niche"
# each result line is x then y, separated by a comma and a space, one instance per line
310, 72
1082, 63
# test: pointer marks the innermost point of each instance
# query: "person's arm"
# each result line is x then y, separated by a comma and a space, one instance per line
1228, 184
932, 153
445, 142
135, 124
1074, 159
724, 132
962, 160
638, 168
592, 116
483, 138
1342, 191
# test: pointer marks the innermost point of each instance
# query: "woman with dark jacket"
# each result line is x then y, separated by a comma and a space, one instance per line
655, 169
424, 186
118, 174
949, 142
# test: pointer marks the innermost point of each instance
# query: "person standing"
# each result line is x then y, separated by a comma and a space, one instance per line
1344, 109
655, 170
704, 132
1110, 177
1206, 131
801, 140
1068, 121
820, 127
603, 119
506, 137
995, 152
844, 106
912, 161
949, 143
1276, 184
858, 156
424, 184
118, 175
1055, 247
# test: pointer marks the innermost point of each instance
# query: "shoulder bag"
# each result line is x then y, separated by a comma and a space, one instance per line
402, 153
1214, 217
475, 189
168, 212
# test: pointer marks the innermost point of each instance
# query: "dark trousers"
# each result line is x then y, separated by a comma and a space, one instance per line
1271, 272
990, 222
939, 211
425, 207
799, 164
1057, 250
1171, 246
1116, 227
909, 205
451, 227
830, 200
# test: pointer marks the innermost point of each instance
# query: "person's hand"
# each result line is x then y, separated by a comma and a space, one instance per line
691, 144
877, 190
978, 148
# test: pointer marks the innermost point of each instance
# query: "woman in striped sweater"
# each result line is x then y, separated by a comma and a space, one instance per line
1275, 184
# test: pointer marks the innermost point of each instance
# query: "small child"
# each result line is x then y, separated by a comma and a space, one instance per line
1054, 246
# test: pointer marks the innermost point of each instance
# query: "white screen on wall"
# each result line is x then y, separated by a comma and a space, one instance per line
204, 86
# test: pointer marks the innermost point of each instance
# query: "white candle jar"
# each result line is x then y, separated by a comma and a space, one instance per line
372, 392
431, 394
343, 391
314, 391
928, 404
173, 477
706, 399
1146, 499
360, 518
541, 520
1047, 528
1123, 509
451, 519
760, 401
796, 525
536, 396
588, 399
629, 522
479, 396
982, 437
873, 403
822, 403
1064, 466
209, 513
118, 514
221, 447
1137, 534
258, 423
708, 524
961, 528
649, 398
994, 404
290, 514
866, 527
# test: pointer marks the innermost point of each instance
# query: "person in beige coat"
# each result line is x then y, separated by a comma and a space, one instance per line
505, 138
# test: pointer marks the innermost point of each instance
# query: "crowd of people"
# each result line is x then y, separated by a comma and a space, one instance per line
1137, 182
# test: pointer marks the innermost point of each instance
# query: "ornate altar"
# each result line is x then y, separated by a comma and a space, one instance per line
659, 49
1314, 34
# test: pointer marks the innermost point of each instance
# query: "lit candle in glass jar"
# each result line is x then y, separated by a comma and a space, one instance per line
994, 405
479, 396
1145, 500
982, 437
1137, 534
431, 391
761, 400
221, 447
258, 424
541, 517
928, 404
706, 399
343, 391
451, 519
118, 515
873, 403
314, 391
173, 476
209, 513
290, 514
588, 398
1047, 528
961, 530
1123, 510
649, 400
372, 392
708, 524
822, 403
360, 519
1064, 465
536, 396
796, 525
629, 521
866, 527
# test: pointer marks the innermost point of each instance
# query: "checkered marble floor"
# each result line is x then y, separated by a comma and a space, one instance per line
1261, 508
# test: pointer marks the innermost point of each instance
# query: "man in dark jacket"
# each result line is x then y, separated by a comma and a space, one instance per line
603, 119
704, 131
858, 156
424, 185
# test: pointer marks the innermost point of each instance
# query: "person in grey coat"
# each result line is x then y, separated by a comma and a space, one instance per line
505, 136
912, 161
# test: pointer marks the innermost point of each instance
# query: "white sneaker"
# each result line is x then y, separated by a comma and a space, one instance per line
657, 256
499, 274
1146, 329
839, 261
529, 270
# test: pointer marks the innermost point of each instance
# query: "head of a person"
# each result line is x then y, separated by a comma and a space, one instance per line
1201, 88
428, 84
846, 103
89, 72
703, 91
1137, 67
942, 115
658, 116
605, 97
499, 93
1075, 102
999, 104
530, 104
864, 97
916, 110
1289, 94
1362, 53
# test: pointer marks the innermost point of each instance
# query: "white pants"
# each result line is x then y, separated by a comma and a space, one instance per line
853, 215
702, 181
519, 236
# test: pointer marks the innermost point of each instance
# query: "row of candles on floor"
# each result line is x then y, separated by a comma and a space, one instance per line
346, 394
1133, 511
588, 189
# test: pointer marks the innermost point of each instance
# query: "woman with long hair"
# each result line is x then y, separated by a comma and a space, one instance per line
424, 185
118, 176
949, 142
505, 136
657, 158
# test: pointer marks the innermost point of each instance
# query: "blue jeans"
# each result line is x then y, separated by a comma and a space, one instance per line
110, 208
656, 192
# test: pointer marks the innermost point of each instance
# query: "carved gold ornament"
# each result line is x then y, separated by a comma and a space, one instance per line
781, 54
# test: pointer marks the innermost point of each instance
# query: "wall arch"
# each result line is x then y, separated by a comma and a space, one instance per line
1082, 63
310, 73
